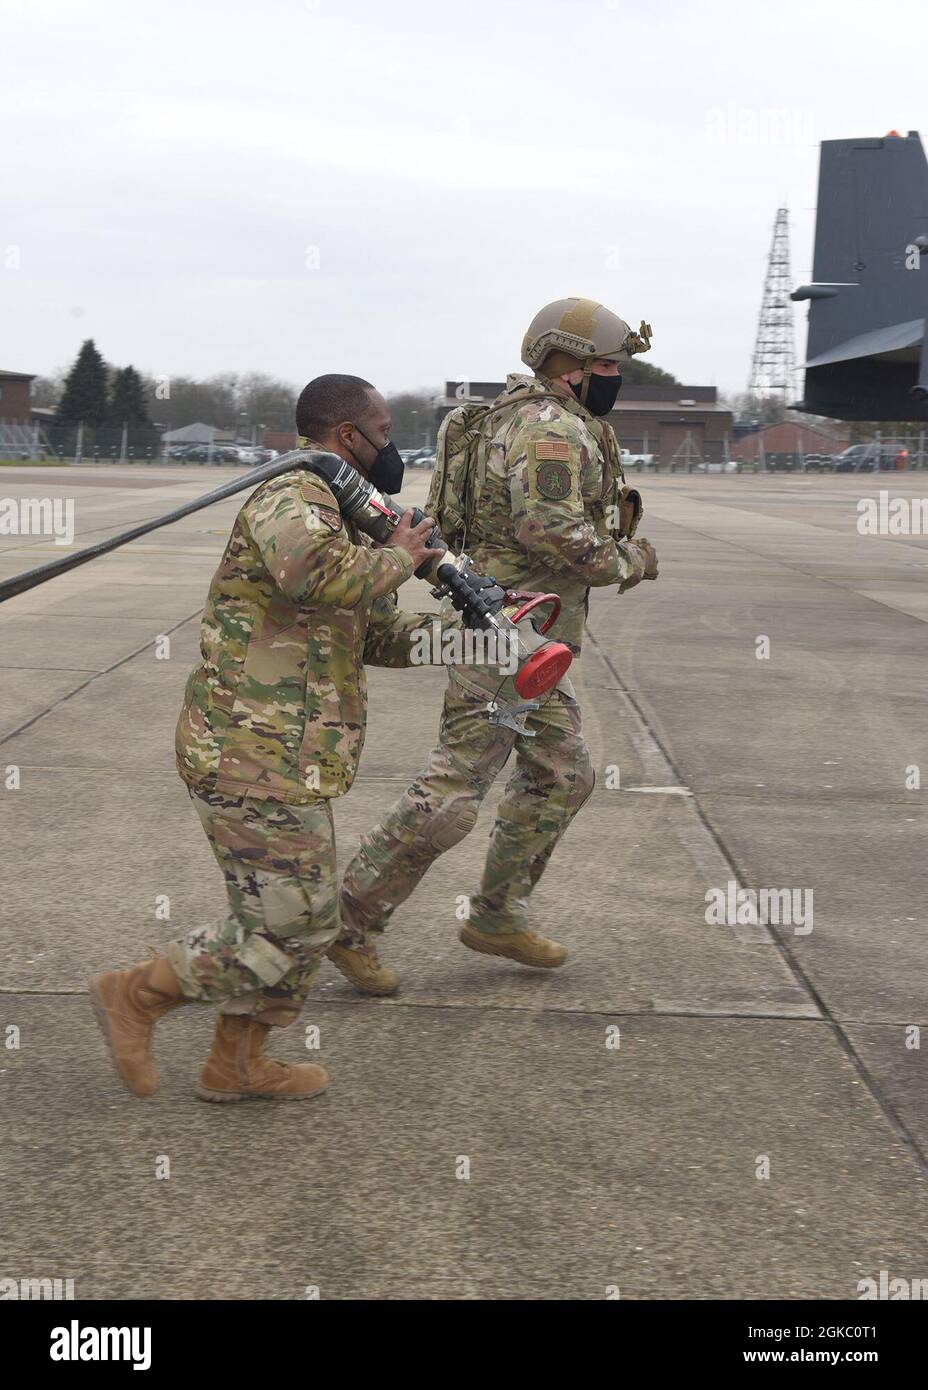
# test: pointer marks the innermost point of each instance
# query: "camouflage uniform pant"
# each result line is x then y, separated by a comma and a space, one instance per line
279, 866
552, 778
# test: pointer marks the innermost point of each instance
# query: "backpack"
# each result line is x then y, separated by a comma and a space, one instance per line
461, 463
451, 491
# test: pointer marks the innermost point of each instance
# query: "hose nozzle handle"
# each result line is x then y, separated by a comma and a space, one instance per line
464, 596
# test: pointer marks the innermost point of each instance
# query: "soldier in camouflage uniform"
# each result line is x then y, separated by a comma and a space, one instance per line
543, 516
270, 732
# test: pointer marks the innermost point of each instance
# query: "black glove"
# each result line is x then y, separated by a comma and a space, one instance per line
474, 595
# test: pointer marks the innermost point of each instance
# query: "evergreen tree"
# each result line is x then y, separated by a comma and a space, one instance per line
640, 373
127, 399
84, 396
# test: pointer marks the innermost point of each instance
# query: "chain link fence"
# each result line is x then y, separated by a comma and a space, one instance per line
79, 443
691, 454
885, 454
83, 444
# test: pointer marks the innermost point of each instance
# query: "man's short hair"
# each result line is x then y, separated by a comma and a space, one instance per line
329, 400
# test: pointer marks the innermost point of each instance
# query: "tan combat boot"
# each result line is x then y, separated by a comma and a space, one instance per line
359, 965
236, 1070
523, 946
128, 1004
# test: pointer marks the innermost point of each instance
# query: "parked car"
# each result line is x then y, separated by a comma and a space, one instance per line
205, 453
818, 463
856, 459
638, 462
866, 458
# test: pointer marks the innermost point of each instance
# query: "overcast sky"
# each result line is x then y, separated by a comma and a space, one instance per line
393, 190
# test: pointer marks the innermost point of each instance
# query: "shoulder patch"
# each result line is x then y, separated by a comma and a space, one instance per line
329, 516
554, 480
552, 449
312, 488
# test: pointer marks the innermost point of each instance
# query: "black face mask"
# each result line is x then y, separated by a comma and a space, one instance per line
386, 472
601, 393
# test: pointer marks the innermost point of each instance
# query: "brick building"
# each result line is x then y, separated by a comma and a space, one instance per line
281, 440
661, 419
16, 397
789, 442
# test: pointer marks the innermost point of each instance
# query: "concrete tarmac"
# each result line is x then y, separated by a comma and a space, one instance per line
689, 1108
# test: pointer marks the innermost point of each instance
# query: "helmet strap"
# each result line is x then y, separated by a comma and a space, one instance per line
585, 384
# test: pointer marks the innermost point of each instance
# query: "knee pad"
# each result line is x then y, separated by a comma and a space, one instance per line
455, 826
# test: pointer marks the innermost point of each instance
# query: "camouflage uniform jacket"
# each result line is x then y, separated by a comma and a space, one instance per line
541, 520
301, 599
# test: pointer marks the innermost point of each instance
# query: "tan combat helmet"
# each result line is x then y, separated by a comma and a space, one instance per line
571, 333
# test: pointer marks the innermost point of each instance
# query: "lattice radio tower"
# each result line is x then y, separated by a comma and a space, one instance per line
774, 362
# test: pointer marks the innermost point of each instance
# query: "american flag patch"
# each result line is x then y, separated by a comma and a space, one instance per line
553, 449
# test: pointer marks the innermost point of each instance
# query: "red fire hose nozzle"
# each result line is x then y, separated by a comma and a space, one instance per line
542, 670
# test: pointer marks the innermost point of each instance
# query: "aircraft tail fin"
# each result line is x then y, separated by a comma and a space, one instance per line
867, 353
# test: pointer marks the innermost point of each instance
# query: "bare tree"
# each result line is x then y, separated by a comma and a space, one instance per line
183, 401
412, 414
46, 390
264, 400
